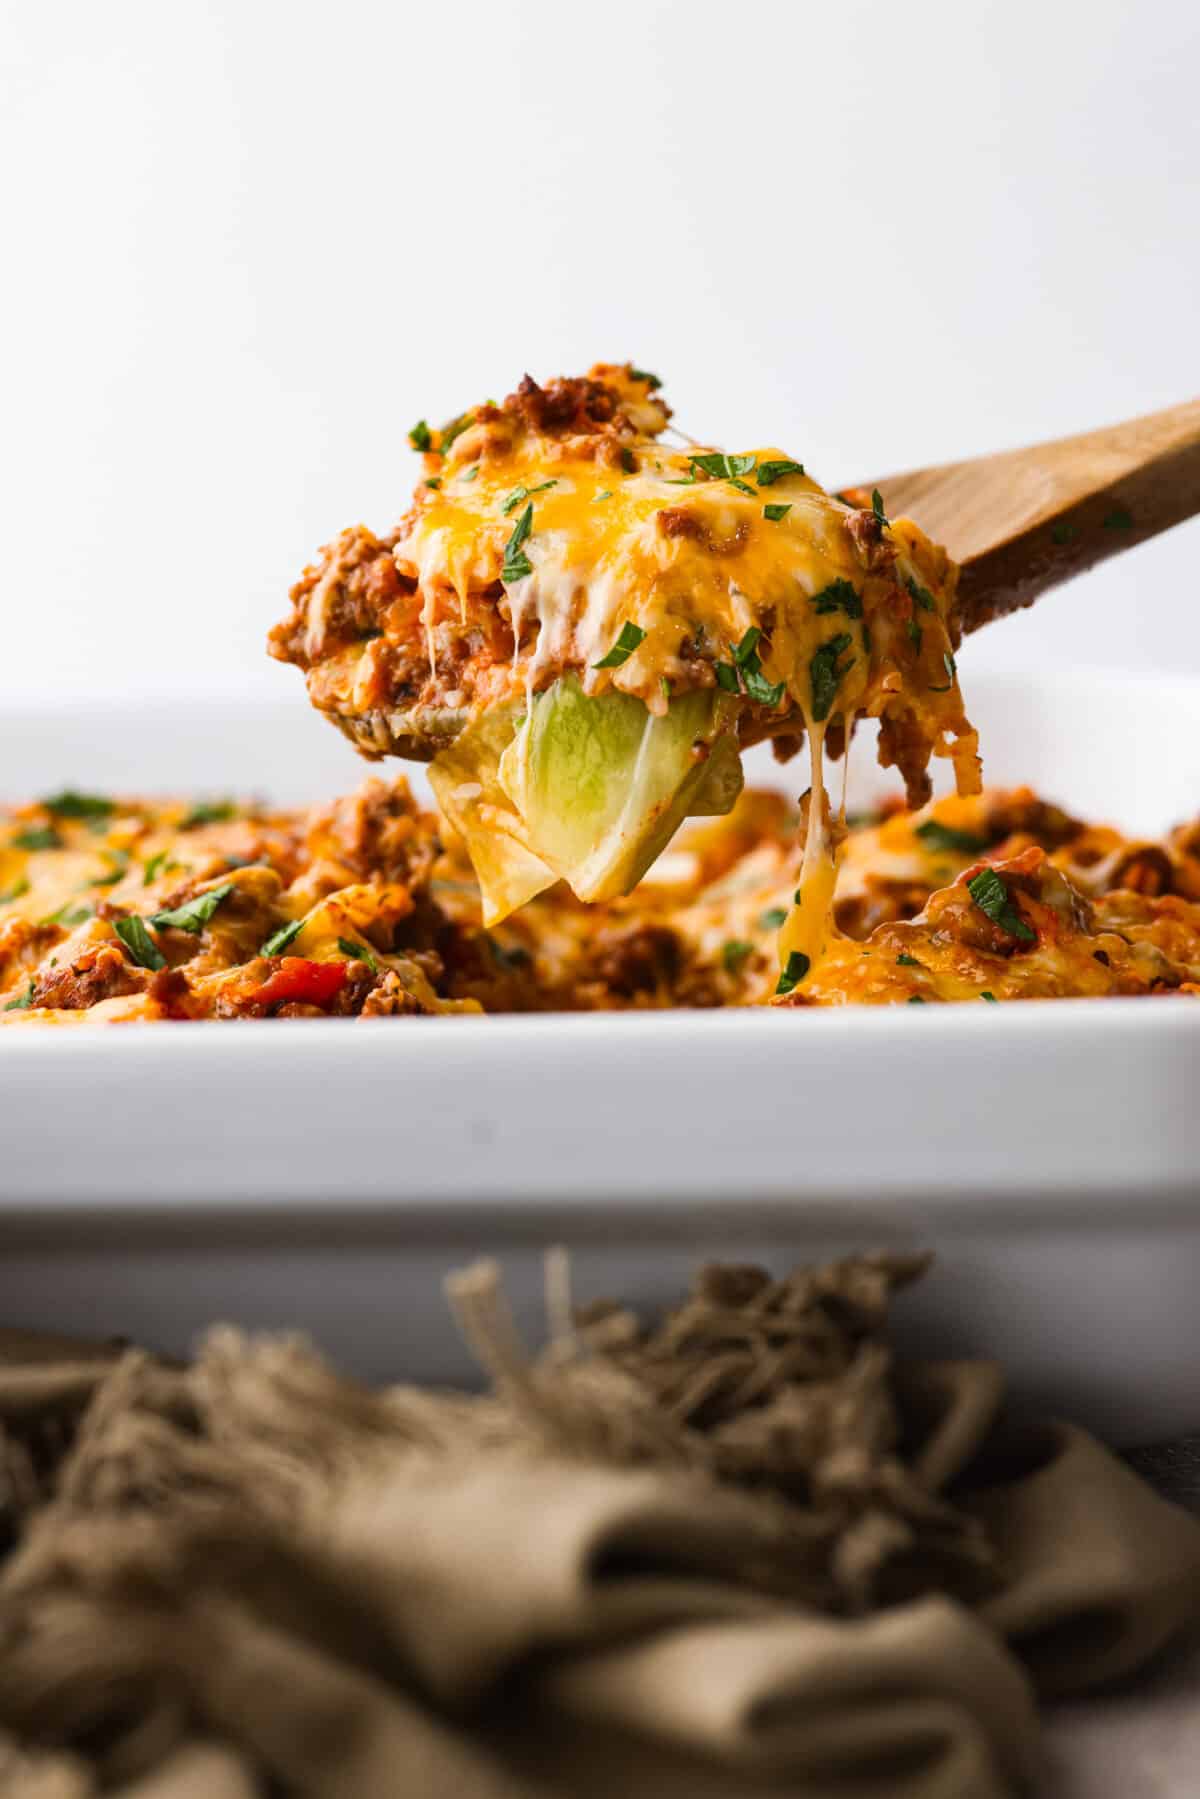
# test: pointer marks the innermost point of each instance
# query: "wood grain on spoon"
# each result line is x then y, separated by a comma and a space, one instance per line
1023, 521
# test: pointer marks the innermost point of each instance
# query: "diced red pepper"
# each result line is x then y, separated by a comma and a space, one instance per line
310, 983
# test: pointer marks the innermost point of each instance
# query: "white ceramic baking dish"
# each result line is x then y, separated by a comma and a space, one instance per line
325, 1176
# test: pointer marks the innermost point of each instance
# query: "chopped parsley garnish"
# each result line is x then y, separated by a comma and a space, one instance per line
358, 952
469, 474
23, 1004
455, 428
433, 480
69, 804
628, 639
628, 461
921, 596
664, 687
522, 493
68, 915
905, 961
37, 837
776, 512
877, 508
914, 634
825, 674
282, 939
137, 940
1064, 532
516, 563
652, 381
194, 913
118, 867
991, 895
773, 917
209, 812
725, 468
990, 997
15, 891
839, 596
951, 669
746, 671
421, 437
915, 999
941, 838
770, 472
154, 867
734, 952
1119, 519
605, 495
795, 970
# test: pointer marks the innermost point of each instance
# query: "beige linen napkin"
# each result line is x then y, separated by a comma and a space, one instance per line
739, 1552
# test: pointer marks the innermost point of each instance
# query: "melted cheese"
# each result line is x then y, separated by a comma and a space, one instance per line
682, 550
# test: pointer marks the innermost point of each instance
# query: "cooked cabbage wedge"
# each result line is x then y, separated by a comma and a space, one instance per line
584, 789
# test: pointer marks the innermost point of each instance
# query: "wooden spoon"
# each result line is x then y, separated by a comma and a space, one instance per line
1023, 521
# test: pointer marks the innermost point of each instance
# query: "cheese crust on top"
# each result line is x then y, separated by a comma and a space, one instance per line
118, 910
558, 532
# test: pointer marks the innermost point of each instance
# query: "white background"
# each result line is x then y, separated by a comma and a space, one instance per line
247, 244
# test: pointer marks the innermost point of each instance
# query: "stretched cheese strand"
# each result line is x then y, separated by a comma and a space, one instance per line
809, 924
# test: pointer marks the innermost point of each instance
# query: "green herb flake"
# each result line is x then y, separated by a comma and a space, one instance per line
1064, 532
725, 468
797, 967
69, 804
745, 655
433, 481
734, 952
991, 895
914, 634
915, 999
942, 838
628, 461
877, 509
453, 429
154, 867
469, 474
606, 494
628, 639
15, 891
825, 674
770, 472
194, 913
522, 493
920, 596
773, 917
904, 961
23, 1004
1119, 519
516, 563
421, 437
664, 687
37, 837
137, 940
990, 997
727, 677
68, 915
951, 669
358, 952
839, 596
760, 689
282, 939
209, 812
776, 512
651, 381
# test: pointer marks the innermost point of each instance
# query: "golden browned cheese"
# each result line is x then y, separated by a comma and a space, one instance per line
119, 910
549, 526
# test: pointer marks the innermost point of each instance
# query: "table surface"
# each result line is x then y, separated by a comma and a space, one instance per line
1143, 1742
